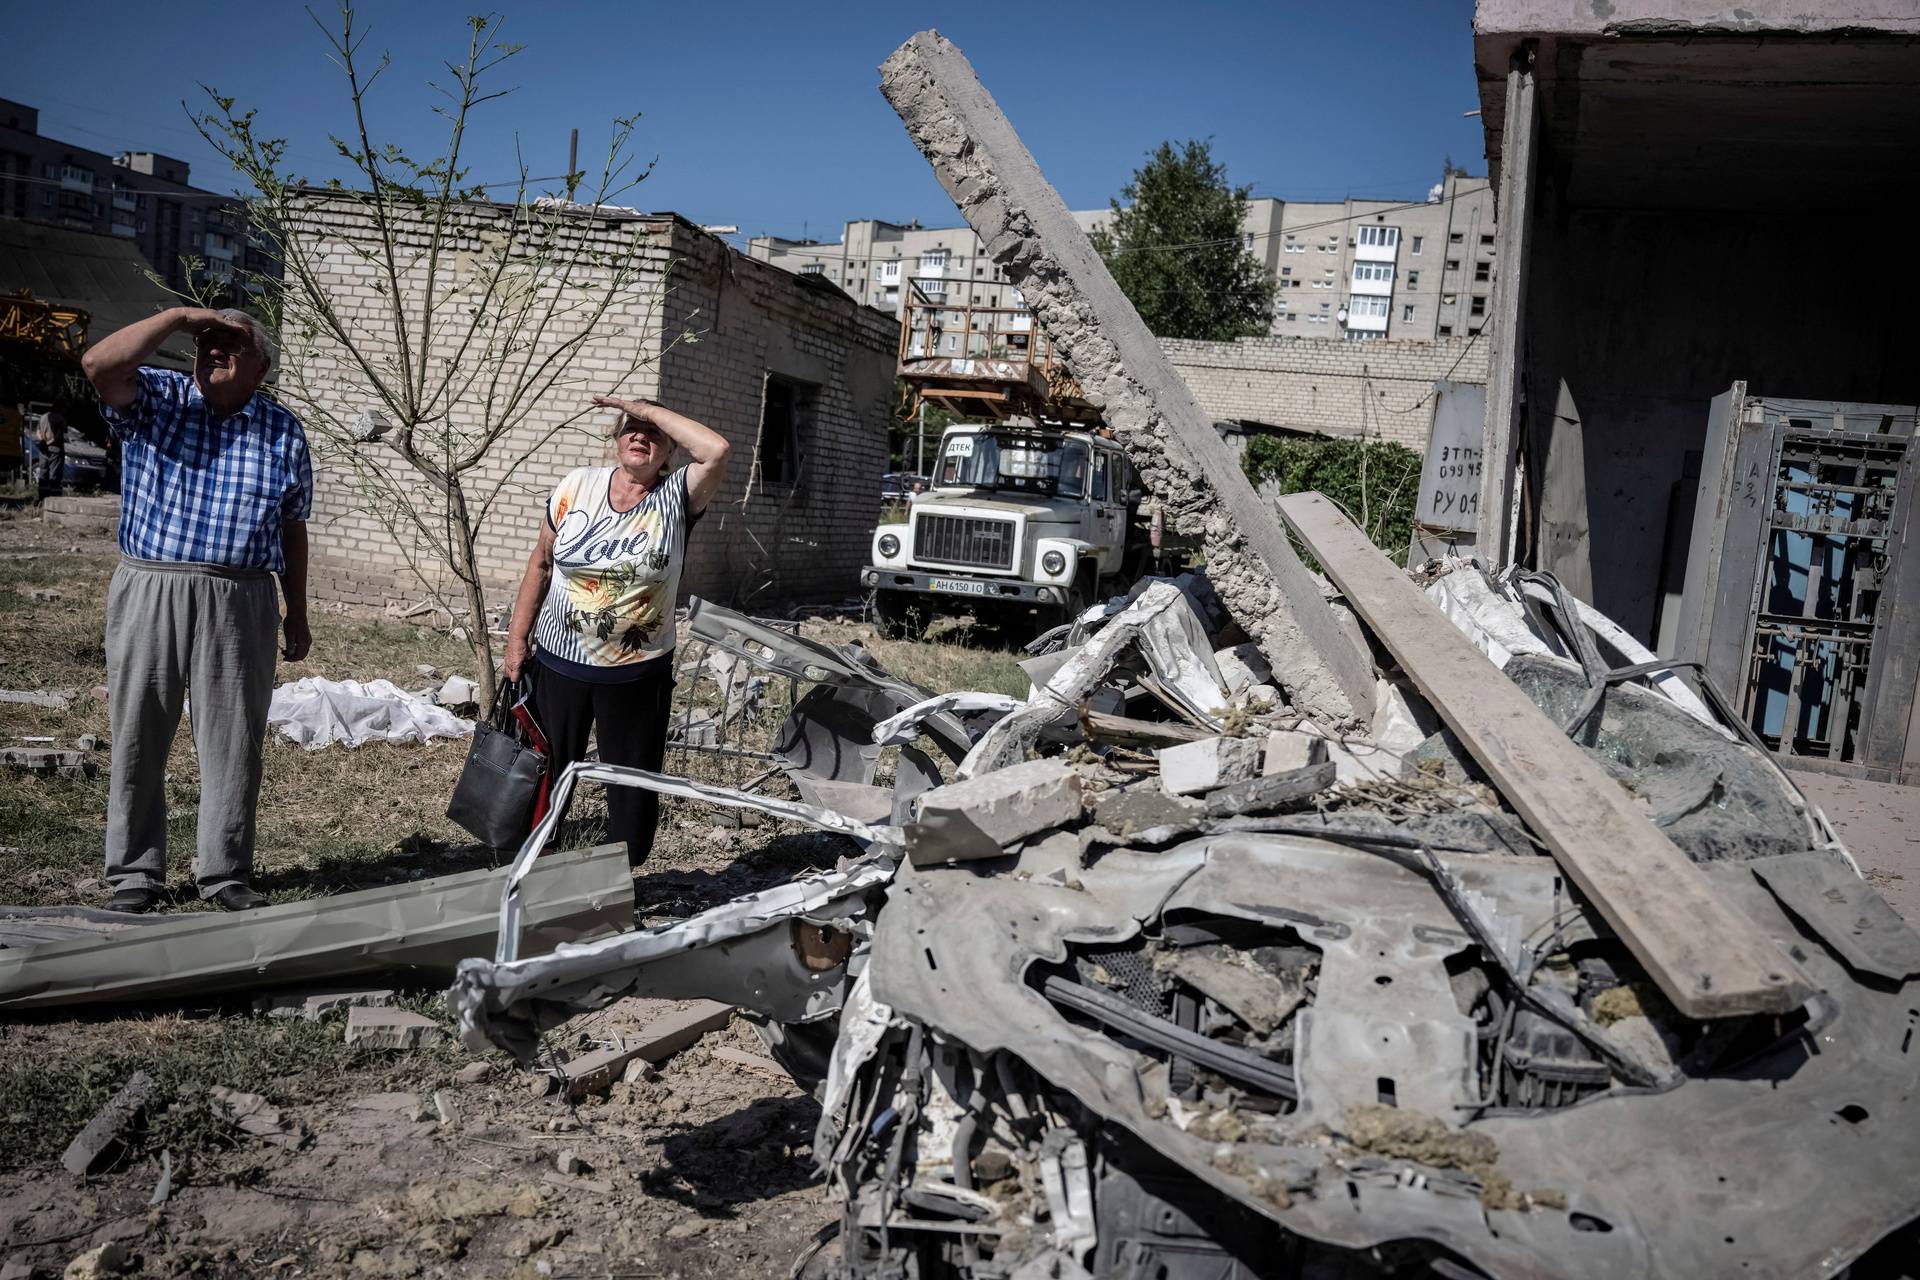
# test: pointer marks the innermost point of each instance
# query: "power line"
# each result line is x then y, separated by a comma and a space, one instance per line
194, 193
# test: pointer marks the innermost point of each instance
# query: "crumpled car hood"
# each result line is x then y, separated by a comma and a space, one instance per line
1790, 1165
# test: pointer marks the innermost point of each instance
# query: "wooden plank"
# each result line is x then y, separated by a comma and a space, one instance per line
1710, 960
659, 1040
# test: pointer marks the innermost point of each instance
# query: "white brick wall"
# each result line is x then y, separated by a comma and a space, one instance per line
748, 319
1379, 389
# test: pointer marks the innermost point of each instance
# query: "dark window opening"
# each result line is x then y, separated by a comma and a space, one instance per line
786, 421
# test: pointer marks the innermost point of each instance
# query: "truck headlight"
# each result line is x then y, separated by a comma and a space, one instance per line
889, 545
1053, 563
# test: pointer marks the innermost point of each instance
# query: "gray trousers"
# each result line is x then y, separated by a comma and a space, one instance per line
171, 628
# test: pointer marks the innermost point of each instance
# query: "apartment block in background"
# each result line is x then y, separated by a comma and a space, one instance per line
1353, 269
138, 196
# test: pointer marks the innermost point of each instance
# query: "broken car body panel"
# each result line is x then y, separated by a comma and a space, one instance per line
1385, 1035
422, 924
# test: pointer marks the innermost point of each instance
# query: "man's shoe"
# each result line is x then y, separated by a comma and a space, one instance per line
135, 899
237, 897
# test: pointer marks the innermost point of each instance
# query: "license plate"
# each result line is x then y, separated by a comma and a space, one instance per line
957, 586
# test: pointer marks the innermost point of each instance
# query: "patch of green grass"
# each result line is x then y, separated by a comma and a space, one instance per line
49, 1089
955, 655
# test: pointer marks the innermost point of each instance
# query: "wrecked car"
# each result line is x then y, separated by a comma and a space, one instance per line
1299, 1001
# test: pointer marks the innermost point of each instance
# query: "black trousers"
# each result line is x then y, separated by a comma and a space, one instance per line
630, 722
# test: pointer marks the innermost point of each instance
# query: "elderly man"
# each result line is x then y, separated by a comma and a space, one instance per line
215, 490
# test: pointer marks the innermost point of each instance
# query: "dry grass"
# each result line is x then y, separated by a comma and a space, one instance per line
329, 820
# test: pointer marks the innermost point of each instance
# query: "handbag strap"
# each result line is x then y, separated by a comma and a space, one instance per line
505, 694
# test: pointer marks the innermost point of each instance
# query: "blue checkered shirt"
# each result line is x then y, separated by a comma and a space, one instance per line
202, 491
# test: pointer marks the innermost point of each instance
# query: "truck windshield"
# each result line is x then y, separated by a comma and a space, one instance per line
1014, 461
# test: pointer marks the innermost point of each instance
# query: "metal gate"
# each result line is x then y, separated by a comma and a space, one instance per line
1803, 586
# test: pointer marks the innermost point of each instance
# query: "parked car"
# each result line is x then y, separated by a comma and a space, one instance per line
86, 466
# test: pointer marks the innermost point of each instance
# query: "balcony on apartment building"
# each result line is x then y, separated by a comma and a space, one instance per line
74, 178
1367, 315
220, 248
1372, 279
1376, 243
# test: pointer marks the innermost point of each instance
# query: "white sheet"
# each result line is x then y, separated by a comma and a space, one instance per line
316, 713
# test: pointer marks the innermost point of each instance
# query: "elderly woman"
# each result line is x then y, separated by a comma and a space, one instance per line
601, 585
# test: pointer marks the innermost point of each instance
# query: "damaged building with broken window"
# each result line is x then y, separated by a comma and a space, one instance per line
797, 376
1701, 409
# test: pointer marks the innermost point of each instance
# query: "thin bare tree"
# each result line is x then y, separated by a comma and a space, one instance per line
429, 403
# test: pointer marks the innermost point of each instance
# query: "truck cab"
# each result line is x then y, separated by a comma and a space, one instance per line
1022, 523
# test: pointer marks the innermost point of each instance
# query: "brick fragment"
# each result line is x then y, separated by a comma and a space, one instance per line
392, 1029
980, 817
105, 1135
1195, 767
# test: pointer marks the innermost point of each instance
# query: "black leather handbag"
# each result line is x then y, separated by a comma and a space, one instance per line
505, 773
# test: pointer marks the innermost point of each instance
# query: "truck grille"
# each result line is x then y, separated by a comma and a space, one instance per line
968, 540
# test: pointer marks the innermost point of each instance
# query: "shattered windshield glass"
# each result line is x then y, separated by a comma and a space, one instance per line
1008, 460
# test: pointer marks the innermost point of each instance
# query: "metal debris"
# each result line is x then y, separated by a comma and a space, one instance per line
426, 925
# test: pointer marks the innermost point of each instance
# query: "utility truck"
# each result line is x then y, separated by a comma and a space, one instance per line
1023, 525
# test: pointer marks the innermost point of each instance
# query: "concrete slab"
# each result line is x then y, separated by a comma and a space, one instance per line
1880, 823
980, 817
1194, 767
1124, 372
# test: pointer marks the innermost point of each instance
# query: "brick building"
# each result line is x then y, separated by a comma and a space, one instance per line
1381, 390
796, 375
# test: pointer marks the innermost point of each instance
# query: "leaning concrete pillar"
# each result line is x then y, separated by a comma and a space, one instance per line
1105, 345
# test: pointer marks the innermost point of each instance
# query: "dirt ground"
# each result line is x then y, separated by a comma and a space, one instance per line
1880, 824
701, 1169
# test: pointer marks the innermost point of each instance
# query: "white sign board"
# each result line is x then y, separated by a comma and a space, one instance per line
1446, 519
1450, 477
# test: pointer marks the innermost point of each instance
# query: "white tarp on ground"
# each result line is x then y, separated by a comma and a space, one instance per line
318, 713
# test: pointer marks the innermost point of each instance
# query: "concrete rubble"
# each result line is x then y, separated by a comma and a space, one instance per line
1229, 950
50, 699
67, 762
104, 1137
1249, 970
1219, 956
254, 1116
391, 1029
1193, 768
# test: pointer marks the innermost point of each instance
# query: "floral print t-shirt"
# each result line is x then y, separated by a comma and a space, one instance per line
616, 576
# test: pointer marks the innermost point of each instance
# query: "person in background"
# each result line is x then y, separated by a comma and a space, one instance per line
595, 610
50, 436
216, 487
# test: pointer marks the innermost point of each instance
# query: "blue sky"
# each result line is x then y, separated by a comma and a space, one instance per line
768, 116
